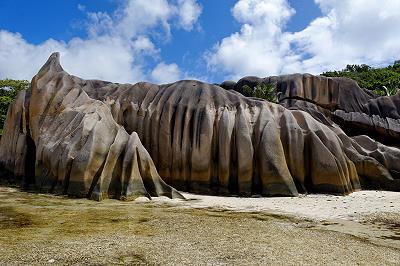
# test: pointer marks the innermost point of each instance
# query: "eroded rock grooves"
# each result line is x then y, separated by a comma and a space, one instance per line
79, 149
100, 139
339, 100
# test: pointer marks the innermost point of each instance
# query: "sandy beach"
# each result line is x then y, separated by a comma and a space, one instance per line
42, 229
355, 206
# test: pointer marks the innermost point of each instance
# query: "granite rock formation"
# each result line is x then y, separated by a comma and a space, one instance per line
335, 100
100, 139
61, 140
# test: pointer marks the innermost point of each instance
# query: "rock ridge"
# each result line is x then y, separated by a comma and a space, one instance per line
97, 139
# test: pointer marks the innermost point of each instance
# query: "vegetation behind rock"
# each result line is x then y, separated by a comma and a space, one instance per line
9, 89
382, 81
262, 91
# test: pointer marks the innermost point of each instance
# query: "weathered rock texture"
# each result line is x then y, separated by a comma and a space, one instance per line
84, 138
64, 141
357, 111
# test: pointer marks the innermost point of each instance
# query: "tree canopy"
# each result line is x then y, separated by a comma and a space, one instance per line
382, 81
262, 91
9, 89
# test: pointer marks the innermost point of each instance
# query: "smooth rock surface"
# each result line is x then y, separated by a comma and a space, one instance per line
357, 111
63, 141
100, 139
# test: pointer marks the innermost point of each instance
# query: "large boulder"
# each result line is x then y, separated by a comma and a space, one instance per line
336, 100
100, 139
62, 140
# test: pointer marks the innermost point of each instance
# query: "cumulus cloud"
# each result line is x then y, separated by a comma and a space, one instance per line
189, 11
140, 15
19, 59
115, 48
261, 45
164, 73
349, 31
103, 57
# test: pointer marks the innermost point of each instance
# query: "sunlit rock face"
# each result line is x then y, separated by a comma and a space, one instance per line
99, 139
64, 141
340, 100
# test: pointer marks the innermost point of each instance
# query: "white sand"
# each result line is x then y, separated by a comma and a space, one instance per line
315, 207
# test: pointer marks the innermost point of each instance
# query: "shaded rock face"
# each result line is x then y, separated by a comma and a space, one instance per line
100, 139
339, 100
64, 141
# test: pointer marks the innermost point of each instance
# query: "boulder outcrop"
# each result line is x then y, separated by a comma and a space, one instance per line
100, 139
63, 141
340, 100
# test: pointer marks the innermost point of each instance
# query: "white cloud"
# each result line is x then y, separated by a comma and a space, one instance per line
273, 13
99, 23
351, 32
260, 46
116, 47
189, 11
21, 60
164, 73
140, 15
81, 7
102, 58
348, 32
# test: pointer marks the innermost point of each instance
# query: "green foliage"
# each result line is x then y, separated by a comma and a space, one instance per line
247, 91
263, 91
8, 91
382, 81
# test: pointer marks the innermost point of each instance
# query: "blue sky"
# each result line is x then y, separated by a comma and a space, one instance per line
212, 40
43, 19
